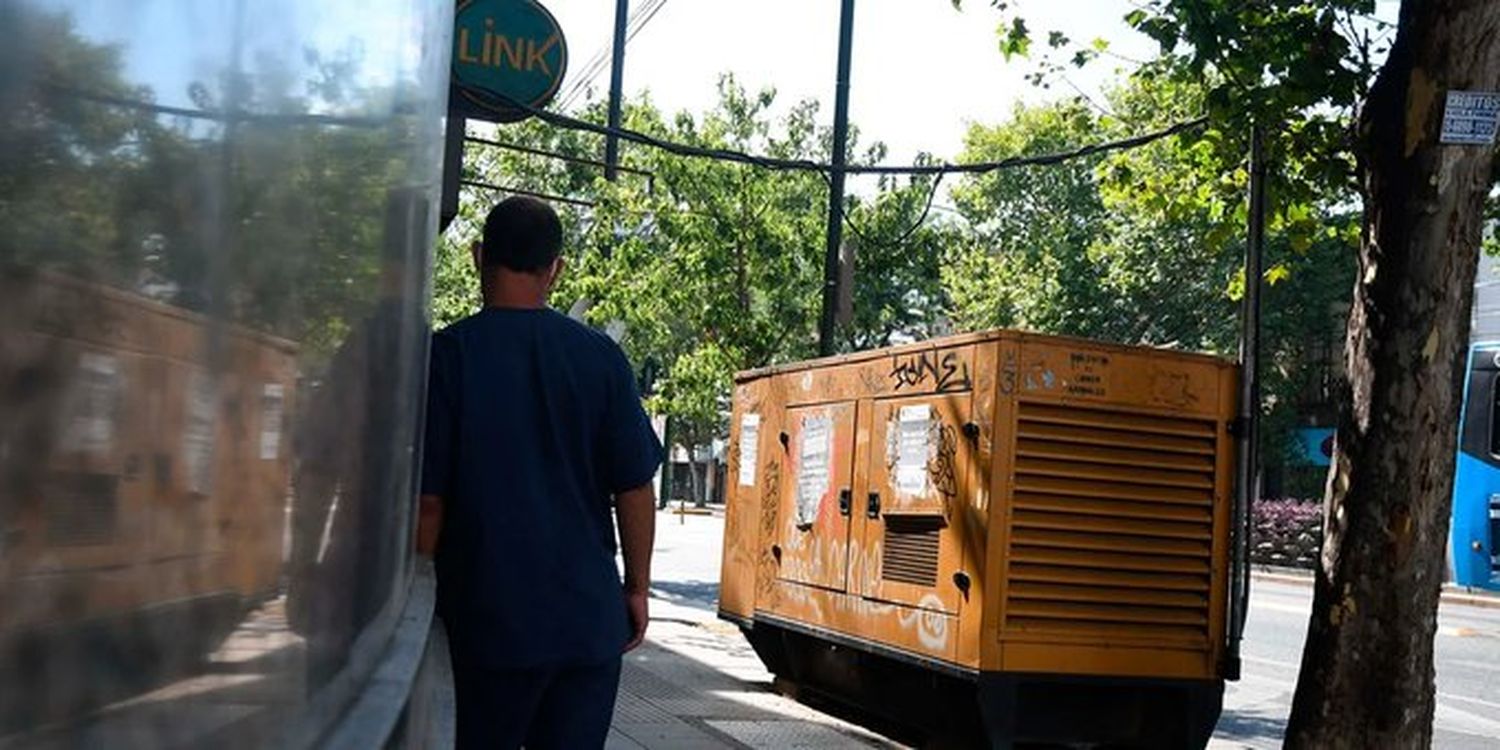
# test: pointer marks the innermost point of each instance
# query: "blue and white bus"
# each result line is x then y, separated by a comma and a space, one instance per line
1476, 482
1475, 550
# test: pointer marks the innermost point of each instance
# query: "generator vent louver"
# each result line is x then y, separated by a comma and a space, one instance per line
81, 510
1111, 530
911, 549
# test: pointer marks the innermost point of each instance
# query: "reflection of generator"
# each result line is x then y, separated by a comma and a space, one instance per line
143, 486
1476, 482
1027, 528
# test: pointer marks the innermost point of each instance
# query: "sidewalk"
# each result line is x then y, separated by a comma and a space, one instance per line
696, 684
1452, 595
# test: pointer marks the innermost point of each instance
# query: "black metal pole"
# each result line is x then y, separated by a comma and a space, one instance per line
453, 168
666, 466
1249, 422
616, 83
836, 183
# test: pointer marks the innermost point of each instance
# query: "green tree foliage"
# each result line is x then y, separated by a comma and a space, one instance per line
64, 162
1299, 70
269, 219
1145, 246
710, 267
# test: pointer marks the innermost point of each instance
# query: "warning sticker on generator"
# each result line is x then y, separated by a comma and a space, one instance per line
813, 458
913, 448
198, 433
96, 404
749, 448
272, 414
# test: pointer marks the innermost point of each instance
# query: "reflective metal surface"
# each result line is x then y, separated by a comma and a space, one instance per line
215, 226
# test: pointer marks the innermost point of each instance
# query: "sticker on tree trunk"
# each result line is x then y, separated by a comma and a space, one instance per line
813, 454
913, 448
1471, 118
749, 448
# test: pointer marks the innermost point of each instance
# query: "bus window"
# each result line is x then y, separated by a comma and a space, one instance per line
1494, 426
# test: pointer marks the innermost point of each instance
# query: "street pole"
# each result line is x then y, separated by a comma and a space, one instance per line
1249, 417
666, 466
453, 168
616, 83
836, 183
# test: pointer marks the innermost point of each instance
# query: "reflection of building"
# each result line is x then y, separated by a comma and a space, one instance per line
145, 483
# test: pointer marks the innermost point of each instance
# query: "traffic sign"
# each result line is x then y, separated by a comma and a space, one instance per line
505, 51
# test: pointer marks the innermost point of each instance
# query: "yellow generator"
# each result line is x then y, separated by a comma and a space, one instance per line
991, 538
144, 474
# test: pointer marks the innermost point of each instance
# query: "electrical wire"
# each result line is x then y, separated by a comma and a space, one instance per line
650, 177
906, 234
936, 171
806, 165
530, 193
597, 63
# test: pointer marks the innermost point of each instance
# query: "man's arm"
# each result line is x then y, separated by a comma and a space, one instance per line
439, 452
635, 511
429, 524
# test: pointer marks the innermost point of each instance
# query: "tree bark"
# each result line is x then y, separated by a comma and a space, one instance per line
1366, 679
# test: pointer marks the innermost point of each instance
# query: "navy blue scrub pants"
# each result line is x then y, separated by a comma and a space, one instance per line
543, 708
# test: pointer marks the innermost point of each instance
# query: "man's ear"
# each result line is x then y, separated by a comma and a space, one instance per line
557, 271
476, 251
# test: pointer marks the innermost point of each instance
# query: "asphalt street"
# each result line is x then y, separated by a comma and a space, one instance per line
1468, 671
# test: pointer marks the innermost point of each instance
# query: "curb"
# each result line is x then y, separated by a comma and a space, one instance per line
1450, 595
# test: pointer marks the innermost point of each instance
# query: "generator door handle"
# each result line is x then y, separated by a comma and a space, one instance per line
846, 500
872, 507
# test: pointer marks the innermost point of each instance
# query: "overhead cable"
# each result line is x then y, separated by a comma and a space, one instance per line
807, 165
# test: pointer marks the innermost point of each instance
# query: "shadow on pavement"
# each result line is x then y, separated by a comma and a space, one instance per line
669, 699
702, 595
1251, 728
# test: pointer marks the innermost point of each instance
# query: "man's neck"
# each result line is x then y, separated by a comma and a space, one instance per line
514, 292
503, 304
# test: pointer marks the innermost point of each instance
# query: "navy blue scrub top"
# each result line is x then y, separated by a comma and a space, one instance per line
533, 423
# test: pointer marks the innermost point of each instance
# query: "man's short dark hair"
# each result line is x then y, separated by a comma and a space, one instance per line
521, 234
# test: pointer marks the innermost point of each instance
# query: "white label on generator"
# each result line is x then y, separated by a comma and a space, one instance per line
749, 448
813, 454
272, 412
198, 433
913, 448
96, 404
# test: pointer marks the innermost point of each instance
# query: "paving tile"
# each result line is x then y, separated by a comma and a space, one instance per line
774, 735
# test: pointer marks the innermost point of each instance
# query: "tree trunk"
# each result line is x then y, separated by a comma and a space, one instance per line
1366, 679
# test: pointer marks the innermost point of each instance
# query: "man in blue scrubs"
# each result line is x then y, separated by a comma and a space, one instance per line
534, 428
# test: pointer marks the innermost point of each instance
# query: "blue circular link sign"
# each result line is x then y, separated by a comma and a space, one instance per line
504, 51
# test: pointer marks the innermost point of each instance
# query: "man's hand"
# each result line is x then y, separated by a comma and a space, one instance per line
635, 604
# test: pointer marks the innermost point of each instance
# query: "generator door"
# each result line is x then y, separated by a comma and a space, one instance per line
919, 463
812, 544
